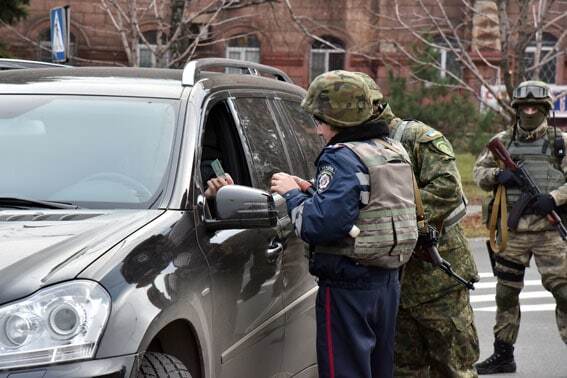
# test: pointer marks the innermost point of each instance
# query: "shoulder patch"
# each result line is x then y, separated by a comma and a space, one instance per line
325, 177
428, 134
443, 145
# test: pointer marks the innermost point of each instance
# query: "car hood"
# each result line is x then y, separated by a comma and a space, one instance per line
39, 248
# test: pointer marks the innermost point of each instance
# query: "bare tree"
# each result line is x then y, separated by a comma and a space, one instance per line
488, 39
179, 27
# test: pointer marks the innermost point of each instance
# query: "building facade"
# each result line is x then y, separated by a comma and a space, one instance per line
313, 36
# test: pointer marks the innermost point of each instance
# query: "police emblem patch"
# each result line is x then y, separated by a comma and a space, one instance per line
325, 176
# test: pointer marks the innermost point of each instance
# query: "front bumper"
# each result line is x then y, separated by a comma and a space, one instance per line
116, 367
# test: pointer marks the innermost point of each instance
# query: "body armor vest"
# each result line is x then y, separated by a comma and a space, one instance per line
387, 222
400, 136
540, 162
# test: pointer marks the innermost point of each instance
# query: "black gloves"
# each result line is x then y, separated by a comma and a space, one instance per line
543, 204
507, 178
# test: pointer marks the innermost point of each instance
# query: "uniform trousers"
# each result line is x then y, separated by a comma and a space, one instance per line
356, 326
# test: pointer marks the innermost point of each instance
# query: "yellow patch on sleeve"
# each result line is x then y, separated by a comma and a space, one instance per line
443, 145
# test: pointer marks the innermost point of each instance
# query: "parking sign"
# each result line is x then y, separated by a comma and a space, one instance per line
59, 34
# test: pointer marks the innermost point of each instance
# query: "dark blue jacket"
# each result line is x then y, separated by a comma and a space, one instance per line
327, 217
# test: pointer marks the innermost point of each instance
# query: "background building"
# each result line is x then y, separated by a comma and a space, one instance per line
472, 46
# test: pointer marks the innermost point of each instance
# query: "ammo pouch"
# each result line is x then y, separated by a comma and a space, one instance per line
388, 225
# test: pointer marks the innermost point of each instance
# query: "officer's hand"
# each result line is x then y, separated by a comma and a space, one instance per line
543, 204
282, 183
214, 184
507, 178
304, 185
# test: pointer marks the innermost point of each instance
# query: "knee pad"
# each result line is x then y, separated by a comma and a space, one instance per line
506, 296
560, 295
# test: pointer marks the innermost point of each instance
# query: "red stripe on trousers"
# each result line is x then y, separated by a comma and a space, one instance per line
329, 335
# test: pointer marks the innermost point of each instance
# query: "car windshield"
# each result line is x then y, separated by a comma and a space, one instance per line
96, 152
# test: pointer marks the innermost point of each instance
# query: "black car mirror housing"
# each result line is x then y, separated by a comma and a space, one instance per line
243, 207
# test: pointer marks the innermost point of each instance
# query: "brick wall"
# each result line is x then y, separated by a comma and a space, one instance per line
366, 27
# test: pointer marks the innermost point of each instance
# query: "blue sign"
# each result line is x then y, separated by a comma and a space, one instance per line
560, 102
59, 34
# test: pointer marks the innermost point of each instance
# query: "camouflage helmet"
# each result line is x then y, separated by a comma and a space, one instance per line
532, 92
375, 92
340, 98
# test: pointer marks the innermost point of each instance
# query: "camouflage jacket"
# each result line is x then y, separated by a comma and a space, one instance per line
486, 167
439, 182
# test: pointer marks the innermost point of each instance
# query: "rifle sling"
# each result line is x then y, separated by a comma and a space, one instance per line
499, 207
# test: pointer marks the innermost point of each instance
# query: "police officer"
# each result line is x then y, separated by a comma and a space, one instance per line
435, 329
541, 148
357, 272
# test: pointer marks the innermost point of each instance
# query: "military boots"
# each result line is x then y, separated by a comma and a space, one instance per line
501, 361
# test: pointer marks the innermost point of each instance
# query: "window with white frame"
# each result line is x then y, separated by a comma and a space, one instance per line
448, 60
325, 57
146, 57
43, 52
243, 48
548, 69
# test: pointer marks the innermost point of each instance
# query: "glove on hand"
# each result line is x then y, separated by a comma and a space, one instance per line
507, 178
543, 204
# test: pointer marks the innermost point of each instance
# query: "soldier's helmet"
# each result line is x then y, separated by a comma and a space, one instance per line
532, 92
340, 98
375, 92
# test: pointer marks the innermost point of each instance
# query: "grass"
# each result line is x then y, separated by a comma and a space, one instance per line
465, 163
472, 223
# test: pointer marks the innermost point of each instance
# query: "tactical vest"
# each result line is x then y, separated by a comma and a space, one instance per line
387, 222
540, 162
460, 211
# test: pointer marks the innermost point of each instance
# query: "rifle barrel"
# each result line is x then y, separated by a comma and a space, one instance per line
447, 269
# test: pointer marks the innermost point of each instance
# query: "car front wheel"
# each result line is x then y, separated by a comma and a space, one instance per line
160, 365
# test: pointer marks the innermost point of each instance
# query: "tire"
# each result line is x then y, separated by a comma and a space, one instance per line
160, 365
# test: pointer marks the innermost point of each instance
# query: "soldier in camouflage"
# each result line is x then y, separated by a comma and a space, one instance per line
360, 224
436, 335
541, 148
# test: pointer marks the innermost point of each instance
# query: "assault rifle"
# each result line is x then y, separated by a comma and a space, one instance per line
527, 186
427, 250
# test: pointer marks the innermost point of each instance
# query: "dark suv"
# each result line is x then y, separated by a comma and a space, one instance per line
112, 261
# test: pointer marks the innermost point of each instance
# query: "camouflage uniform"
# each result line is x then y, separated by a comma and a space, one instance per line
436, 335
534, 236
435, 314
436, 331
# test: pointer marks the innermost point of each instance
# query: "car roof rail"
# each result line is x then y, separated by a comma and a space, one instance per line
193, 69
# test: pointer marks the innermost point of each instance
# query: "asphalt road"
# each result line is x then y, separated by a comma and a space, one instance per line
540, 352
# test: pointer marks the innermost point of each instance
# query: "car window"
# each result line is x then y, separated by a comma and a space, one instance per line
98, 152
264, 139
305, 131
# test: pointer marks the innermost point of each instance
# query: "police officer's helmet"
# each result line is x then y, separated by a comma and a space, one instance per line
375, 92
532, 92
339, 98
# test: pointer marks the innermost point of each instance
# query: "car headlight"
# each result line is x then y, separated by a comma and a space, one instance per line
59, 323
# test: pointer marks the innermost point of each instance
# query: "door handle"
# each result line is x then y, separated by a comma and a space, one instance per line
274, 251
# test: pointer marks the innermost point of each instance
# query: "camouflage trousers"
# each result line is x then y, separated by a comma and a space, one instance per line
437, 339
549, 252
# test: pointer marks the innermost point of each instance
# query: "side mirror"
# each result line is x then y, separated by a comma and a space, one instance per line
243, 207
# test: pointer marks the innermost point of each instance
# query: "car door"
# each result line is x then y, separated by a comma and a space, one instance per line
247, 286
300, 287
